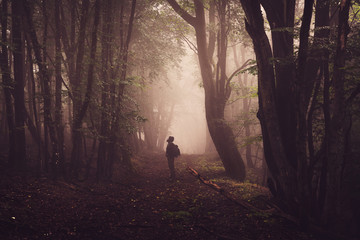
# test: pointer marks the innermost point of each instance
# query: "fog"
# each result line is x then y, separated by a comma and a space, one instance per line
188, 125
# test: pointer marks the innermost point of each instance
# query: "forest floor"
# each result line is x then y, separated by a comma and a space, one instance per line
146, 205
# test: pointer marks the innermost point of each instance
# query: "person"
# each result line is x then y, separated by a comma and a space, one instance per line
172, 151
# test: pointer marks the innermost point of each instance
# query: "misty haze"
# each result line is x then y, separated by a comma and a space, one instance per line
179, 119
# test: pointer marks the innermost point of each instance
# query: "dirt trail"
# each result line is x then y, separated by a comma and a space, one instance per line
145, 206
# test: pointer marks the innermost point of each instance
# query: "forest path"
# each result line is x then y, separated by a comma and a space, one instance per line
145, 206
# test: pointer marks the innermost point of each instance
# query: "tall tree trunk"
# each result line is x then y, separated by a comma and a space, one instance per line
106, 55
281, 17
314, 181
45, 80
5, 75
58, 89
282, 170
339, 119
33, 106
76, 91
217, 91
19, 75
118, 134
80, 114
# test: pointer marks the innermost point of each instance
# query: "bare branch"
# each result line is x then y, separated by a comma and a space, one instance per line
184, 14
191, 45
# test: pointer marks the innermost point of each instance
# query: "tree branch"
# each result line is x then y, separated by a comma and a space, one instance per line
184, 14
225, 193
247, 63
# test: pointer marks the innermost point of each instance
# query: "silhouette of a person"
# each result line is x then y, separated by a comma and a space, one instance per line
171, 152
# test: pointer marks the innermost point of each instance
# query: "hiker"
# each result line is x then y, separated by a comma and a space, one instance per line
172, 151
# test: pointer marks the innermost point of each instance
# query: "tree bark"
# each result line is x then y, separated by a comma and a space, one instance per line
106, 54
19, 82
81, 111
6, 78
76, 91
216, 90
117, 134
339, 119
58, 89
282, 170
311, 187
45, 79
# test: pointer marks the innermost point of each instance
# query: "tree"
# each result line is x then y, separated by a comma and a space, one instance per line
103, 162
19, 81
81, 110
75, 82
294, 91
58, 87
45, 79
6, 78
246, 102
215, 81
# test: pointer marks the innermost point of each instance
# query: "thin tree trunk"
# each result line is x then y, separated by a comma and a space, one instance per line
33, 106
5, 74
76, 127
80, 114
339, 121
45, 79
58, 89
19, 75
117, 135
107, 35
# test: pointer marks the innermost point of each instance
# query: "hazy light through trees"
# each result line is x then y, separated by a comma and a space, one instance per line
188, 125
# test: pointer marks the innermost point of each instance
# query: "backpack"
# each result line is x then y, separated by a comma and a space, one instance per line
176, 151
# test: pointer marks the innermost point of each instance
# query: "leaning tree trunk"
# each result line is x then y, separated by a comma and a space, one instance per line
217, 91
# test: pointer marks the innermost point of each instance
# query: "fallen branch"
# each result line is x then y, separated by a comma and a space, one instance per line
224, 193
274, 210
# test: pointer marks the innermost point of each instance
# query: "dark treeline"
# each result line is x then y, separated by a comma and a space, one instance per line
309, 107
78, 98
70, 98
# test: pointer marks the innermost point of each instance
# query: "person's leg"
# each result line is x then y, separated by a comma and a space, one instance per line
171, 167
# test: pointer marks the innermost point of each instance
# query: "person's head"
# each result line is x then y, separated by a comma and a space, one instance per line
170, 139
